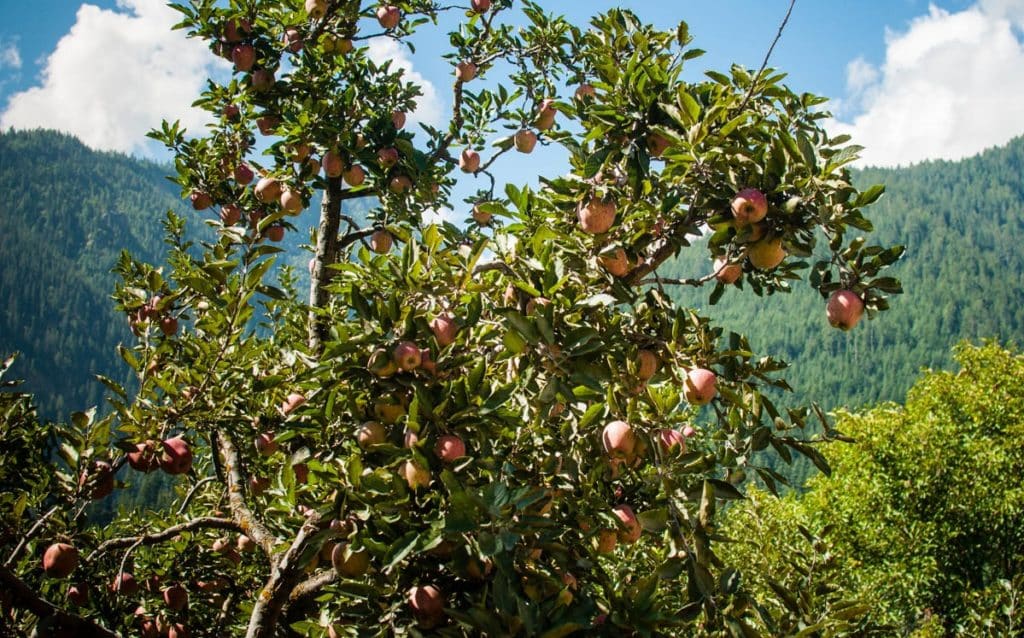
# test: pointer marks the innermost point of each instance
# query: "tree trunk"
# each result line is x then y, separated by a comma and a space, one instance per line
326, 254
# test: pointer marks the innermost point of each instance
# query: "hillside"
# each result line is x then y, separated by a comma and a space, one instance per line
962, 223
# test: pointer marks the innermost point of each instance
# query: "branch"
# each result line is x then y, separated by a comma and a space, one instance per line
326, 254
764, 64
243, 516
42, 608
192, 492
207, 522
352, 237
30, 535
494, 265
312, 585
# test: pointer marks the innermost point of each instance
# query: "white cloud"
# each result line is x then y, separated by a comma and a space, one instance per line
115, 76
428, 106
951, 86
438, 215
10, 57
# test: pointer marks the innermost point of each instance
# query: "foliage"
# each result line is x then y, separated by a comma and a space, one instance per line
526, 527
922, 513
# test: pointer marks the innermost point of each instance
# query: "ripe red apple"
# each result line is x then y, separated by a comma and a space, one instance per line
233, 30
348, 563
221, 545
243, 174
78, 594
125, 584
480, 216
427, 605
388, 16
619, 440
546, 115
245, 544
481, 6
334, 166
231, 112
628, 519
414, 474
427, 363
275, 233
469, 160
399, 184
293, 39
387, 157
100, 478
670, 440
177, 456
615, 262
230, 214
176, 597
689, 431
646, 364
371, 433
316, 9
299, 152
398, 119
725, 272
291, 201
465, 71
267, 190
449, 447
380, 241
597, 215
178, 630
525, 140
354, 175
444, 329
263, 80
59, 560
767, 253
200, 200
585, 91
700, 386
844, 309
292, 403
258, 485
244, 57
749, 206
168, 325
265, 443
407, 356
267, 124
657, 144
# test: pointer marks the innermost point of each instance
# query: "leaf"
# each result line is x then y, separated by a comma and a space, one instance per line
400, 549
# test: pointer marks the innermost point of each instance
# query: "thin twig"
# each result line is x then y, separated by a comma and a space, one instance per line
30, 535
192, 492
764, 64
207, 522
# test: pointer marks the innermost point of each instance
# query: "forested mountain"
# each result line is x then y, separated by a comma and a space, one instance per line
962, 223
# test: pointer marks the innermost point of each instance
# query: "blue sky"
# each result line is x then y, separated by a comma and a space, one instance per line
911, 79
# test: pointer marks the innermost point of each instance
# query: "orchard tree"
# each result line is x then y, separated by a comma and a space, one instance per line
500, 428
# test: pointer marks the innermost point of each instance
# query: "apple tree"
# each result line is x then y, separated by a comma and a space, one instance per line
504, 426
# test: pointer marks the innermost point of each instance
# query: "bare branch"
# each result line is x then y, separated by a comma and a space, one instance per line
247, 522
207, 522
764, 64
30, 535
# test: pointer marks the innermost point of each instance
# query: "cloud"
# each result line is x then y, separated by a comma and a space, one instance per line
115, 76
438, 215
10, 57
428, 106
951, 86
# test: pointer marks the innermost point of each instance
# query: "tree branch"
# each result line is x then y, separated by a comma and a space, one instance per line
764, 64
247, 522
34, 603
326, 254
207, 522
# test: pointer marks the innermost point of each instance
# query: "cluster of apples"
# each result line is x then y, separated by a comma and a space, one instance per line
157, 311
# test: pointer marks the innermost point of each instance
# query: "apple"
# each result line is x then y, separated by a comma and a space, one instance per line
78, 594
700, 386
410, 439
291, 201
265, 443
606, 541
399, 184
258, 485
245, 544
263, 80
316, 9
175, 597
585, 90
371, 433
398, 119
381, 364
200, 200
168, 325
380, 241
407, 356
546, 115
125, 584
299, 152
657, 144
293, 39
388, 412
100, 478
231, 112
597, 215
427, 605
244, 57
628, 519
292, 403
59, 560
844, 309
177, 456
243, 174
301, 472
670, 439
354, 175
767, 253
387, 157
267, 123
267, 190
615, 262
480, 6
388, 16
469, 161
749, 206
525, 140
619, 440
334, 166
233, 30
725, 272
221, 545
689, 431
444, 329
415, 475
646, 364
449, 448
177, 630
348, 563
275, 233
427, 363
480, 216
465, 71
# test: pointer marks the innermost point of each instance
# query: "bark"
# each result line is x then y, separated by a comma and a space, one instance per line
326, 254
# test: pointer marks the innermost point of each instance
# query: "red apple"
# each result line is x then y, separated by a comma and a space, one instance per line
399, 184
387, 157
258, 485
525, 140
371, 433
380, 241
334, 166
725, 272
292, 403
267, 190
615, 262
398, 119
444, 328
646, 364
265, 443
469, 160
177, 630
606, 541
481, 6
657, 144
465, 71
291, 201
354, 175
177, 456
59, 560
301, 472
230, 214
449, 448
244, 56
749, 206
168, 325
700, 386
234, 29
245, 544
176, 597
619, 440
597, 215
100, 479
546, 115
427, 605
844, 309
243, 174
267, 124
585, 91
689, 431
200, 200
275, 233
293, 39
263, 80
125, 584
481, 216
316, 9
628, 519
388, 16
415, 475
407, 356
78, 594
670, 439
